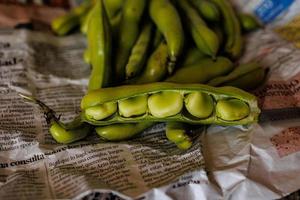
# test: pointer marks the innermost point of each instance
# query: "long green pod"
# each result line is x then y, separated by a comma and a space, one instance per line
206, 40
202, 71
168, 21
156, 68
129, 31
139, 52
207, 9
234, 41
118, 132
166, 102
237, 73
64, 24
99, 44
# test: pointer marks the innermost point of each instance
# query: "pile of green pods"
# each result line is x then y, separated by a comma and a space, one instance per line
171, 61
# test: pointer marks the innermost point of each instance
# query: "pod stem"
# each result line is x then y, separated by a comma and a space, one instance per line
48, 112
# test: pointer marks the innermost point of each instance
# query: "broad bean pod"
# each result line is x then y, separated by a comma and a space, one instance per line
202, 71
234, 41
207, 9
99, 47
168, 21
118, 132
206, 40
129, 31
156, 68
189, 103
139, 52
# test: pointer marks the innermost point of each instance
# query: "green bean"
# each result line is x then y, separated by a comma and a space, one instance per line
139, 53
202, 71
128, 34
206, 40
167, 20
118, 132
170, 111
248, 22
99, 44
234, 43
176, 132
156, 68
207, 9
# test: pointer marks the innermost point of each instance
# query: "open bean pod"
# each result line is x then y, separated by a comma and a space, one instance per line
162, 101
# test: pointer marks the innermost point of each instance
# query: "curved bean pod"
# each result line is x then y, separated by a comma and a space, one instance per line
156, 67
206, 40
234, 41
202, 71
139, 53
167, 20
118, 132
160, 90
207, 9
99, 44
129, 30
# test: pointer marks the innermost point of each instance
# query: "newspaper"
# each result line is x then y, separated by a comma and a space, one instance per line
242, 162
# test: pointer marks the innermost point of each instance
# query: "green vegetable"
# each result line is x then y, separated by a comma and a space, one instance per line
202, 71
129, 31
169, 111
99, 45
167, 20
